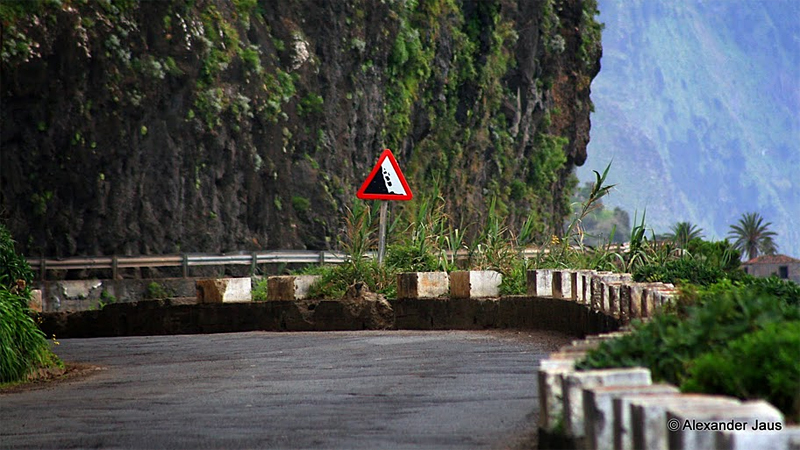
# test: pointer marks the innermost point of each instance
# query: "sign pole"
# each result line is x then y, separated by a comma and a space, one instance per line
382, 233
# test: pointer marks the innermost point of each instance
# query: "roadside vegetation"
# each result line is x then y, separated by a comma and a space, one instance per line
24, 349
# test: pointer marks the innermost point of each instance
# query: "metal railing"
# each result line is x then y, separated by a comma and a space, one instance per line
192, 260
186, 261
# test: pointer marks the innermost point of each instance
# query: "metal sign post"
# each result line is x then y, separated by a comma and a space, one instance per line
382, 233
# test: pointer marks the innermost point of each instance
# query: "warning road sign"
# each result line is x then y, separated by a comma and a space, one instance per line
386, 181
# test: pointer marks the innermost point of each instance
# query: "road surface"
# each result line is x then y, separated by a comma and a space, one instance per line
337, 390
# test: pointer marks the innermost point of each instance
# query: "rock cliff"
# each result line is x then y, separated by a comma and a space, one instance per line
211, 125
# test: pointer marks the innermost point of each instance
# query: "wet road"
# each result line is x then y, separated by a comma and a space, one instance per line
341, 390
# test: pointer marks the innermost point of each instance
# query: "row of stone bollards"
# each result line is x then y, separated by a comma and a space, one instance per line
623, 409
613, 294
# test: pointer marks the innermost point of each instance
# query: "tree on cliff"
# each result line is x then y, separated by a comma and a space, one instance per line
752, 236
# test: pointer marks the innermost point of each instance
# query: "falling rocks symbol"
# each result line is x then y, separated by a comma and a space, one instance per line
386, 181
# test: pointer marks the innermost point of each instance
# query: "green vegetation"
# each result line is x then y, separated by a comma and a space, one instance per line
733, 338
300, 204
260, 290
601, 224
23, 346
762, 364
683, 232
157, 291
679, 271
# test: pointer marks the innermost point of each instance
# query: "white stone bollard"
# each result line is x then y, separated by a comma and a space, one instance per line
550, 395
585, 287
787, 438
223, 290
692, 421
423, 284
574, 384
543, 286
598, 410
649, 416
637, 293
35, 303
623, 428
290, 287
562, 284
475, 284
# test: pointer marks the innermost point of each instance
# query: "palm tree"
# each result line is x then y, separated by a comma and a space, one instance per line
752, 236
683, 232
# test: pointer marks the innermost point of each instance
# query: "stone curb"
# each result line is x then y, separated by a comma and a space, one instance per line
621, 409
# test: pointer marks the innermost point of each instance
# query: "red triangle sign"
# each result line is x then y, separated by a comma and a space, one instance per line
386, 181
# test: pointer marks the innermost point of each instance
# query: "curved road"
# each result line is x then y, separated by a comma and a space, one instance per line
339, 390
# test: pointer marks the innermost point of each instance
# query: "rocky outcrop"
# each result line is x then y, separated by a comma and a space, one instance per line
170, 126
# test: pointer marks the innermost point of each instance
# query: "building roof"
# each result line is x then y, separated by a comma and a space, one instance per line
773, 259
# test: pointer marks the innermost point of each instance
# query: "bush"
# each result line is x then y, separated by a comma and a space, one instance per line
156, 291
763, 364
719, 254
334, 280
786, 290
411, 258
23, 346
669, 343
13, 267
680, 271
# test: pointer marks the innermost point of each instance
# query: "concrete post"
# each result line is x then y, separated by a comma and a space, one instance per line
598, 409
691, 419
423, 284
574, 384
475, 284
649, 416
290, 287
787, 438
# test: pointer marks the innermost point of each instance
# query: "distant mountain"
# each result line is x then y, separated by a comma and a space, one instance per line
698, 106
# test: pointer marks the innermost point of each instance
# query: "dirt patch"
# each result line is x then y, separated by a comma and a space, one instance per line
51, 377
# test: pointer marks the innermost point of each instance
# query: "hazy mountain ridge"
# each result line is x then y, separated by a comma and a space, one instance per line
697, 104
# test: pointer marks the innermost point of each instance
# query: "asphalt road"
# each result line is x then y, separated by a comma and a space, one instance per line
343, 390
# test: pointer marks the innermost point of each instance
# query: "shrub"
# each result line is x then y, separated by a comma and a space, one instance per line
411, 258
13, 267
719, 254
156, 291
23, 346
786, 290
334, 280
686, 269
763, 364
669, 342
300, 204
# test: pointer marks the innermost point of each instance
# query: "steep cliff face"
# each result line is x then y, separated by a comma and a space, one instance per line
159, 127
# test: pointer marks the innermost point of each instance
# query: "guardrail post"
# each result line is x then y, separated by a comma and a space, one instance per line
185, 265
321, 257
43, 268
254, 264
114, 266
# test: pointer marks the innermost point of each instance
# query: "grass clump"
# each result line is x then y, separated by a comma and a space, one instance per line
23, 346
260, 290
